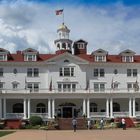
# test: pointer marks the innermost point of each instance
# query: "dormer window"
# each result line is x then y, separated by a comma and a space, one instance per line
3, 57
4, 54
100, 55
100, 58
30, 54
30, 57
127, 58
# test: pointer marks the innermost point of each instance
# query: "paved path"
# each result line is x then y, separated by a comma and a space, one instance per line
70, 135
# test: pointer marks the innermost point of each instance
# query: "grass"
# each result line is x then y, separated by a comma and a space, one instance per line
4, 133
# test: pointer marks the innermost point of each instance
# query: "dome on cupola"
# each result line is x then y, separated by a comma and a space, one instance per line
63, 27
63, 43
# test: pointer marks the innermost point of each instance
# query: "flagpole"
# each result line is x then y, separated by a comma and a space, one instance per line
63, 16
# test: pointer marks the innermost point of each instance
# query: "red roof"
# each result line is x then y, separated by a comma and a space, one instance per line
89, 57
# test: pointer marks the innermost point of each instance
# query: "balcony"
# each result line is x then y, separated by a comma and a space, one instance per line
91, 91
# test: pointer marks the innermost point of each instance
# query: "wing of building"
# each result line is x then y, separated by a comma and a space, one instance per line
70, 82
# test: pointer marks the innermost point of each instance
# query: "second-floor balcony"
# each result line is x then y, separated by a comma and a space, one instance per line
55, 90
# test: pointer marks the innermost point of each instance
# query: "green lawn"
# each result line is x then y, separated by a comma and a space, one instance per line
3, 133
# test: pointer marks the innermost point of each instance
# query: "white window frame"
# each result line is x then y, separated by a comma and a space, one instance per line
64, 73
127, 58
1, 85
32, 87
98, 87
66, 87
32, 72
81, 46
97, 72
100, 58
1, 72
132, 72
132, 86
3, 57
30, 57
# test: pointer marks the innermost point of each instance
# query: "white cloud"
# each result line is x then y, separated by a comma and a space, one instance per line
113, 28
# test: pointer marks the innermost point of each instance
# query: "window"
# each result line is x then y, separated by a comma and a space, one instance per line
99, 73
80, 45
15, 86
18, 108
66, 87
30, 57
130, 86
99, 87
132, 72
93, 107
34, 87
32, 72
64, 46
40, 108
1, 72
100, 58
3, 57
116, 107
1, 85
66, 71
127, 58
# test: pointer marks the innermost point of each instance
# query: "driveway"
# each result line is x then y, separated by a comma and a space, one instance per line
70, 135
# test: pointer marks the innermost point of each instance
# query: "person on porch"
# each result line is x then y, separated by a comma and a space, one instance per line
74, 123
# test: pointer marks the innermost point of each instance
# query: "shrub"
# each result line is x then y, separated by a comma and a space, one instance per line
35, 120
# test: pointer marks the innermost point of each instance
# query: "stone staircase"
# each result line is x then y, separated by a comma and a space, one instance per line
66, 123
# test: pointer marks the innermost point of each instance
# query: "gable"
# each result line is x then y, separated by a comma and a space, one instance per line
66, 58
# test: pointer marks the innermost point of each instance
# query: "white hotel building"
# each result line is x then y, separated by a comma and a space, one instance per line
70, 82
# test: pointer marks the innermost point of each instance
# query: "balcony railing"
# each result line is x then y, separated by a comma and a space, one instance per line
107, 90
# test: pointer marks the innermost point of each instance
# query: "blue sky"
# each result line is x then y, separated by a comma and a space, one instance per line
96, 2
103, 24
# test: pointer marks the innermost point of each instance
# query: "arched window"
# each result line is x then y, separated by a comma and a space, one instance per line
18, 108
136, 106
40, 108
116, 107
93, 107
58, 46
64, 46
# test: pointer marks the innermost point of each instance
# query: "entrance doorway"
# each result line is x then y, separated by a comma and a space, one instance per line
67, 112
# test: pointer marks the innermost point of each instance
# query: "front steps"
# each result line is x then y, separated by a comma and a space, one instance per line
66, 123
129, 121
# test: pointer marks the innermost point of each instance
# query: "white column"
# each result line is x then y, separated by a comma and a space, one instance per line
130, 107
0, 108
49, 108
24, 109
29, 108
4, 108
53, 108
88, 108
134, 109
111, 108
84, 106
107, 108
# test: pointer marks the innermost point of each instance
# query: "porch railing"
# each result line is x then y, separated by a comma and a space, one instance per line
14, 115
98, 114
42, 115
121, 114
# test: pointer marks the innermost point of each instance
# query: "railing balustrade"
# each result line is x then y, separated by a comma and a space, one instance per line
91, 91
